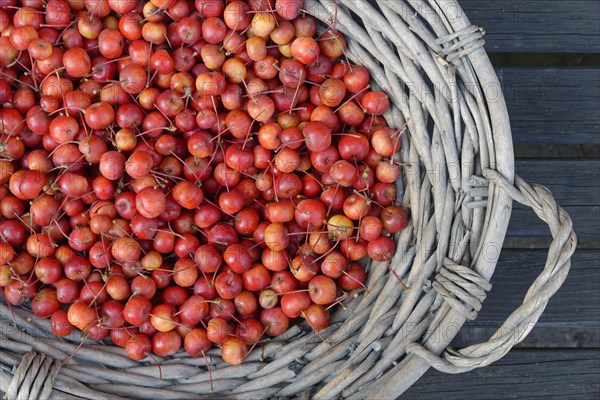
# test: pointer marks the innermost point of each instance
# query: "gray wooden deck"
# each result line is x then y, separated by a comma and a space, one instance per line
555, 114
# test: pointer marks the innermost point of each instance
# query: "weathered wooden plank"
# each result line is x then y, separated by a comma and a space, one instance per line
522, 374
575, 185
524, 223
540, 337
552, 105
572, 317
551, 26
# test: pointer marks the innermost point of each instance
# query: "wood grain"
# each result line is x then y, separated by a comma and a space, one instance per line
572, 317
522, 374
552, 105
575, 185
550, 26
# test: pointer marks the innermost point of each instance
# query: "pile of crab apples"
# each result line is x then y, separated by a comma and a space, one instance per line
178, 174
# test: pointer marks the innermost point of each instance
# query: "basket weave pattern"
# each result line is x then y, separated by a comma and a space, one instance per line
459, 181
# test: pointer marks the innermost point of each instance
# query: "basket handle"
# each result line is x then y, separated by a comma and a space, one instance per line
522, 320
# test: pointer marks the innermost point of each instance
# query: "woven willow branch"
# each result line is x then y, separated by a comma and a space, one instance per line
429, 59
522, 320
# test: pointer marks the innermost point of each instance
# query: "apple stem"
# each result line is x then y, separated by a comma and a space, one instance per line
395, 274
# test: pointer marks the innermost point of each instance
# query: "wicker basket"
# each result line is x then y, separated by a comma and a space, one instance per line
459, 181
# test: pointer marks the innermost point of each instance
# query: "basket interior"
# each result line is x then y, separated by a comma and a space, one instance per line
429, 60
